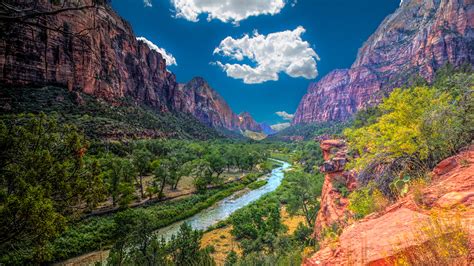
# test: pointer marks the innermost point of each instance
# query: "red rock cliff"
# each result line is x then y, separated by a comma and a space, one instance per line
94, 50
420, 37
333, 210
198, 98
410, 227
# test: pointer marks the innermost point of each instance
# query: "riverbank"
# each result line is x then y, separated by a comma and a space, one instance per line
95, 233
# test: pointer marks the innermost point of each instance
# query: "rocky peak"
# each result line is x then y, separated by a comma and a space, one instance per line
199, 99
417, 39
96, 52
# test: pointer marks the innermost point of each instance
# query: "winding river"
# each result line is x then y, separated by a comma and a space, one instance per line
224, 208
206, 218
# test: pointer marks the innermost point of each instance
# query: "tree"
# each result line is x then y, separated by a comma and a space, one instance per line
119, 173
43, 181
165, 171
216, 161
302, 195
141, 160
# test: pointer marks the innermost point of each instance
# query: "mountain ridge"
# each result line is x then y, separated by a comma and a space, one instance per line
95, 51
417, 39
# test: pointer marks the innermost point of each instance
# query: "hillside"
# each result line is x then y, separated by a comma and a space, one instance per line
86, 46
99, 119
419, 38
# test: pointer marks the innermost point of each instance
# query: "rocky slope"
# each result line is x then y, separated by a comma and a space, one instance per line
420, 37
94, 50
199, 99
437, 217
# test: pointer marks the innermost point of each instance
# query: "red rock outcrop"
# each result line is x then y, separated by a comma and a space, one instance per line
333, 210
199, 99
95, 51
420, 37
412, 222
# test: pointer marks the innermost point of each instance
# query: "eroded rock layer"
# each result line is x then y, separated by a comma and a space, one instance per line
420, 37
93, 50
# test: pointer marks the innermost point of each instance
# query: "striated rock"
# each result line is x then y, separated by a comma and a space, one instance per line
246, 122
333, 209
419, 38
409, 224
199, 99
95, 51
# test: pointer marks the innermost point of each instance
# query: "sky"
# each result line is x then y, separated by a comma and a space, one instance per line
260, 55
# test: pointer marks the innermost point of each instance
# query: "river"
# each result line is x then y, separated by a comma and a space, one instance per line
206, 218
224, 208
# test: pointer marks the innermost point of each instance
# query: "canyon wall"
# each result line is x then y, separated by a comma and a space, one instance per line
419, 38
92, 49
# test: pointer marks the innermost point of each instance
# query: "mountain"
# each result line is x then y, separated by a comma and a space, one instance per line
267, 129
197, 98
419, 38
92, 50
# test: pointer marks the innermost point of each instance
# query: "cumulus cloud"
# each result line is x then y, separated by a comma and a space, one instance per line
285, 115
281, 126
277, 52
170, 60
226, 10
147, 3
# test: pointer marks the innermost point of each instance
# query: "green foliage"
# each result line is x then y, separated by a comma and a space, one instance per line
257, 184
339, 184
135, 246
42, 180
302, 194
427, 123
231, 258
309, 131
366, 200
256, 227
126, 120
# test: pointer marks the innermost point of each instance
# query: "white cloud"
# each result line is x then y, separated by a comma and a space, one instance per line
277, 52
226, 10
170, 60
147, 3
281, 126
285, 115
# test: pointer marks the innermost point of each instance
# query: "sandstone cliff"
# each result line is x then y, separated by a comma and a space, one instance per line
420, 37
333, 210
432, 218
199, 99
94, 50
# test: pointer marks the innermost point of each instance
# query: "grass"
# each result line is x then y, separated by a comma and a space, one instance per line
442, 240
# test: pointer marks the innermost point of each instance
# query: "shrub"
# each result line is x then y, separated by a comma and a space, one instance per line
366, 200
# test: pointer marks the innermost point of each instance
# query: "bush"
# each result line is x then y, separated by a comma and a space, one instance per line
366, 200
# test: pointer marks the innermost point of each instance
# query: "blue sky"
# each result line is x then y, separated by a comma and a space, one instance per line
332, 29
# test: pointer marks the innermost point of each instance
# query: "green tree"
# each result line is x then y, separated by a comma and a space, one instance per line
302, 195
141, 160
43, 180
119, 174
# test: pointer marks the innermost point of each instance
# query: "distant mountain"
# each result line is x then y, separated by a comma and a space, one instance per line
419, 38
94, 51
197, 98
267, 129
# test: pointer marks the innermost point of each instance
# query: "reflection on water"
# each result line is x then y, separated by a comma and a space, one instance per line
224, 208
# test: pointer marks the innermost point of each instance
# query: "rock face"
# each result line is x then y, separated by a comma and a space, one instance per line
199, 99
106, 60
95, 51
409, 227
420, 37
333, 209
